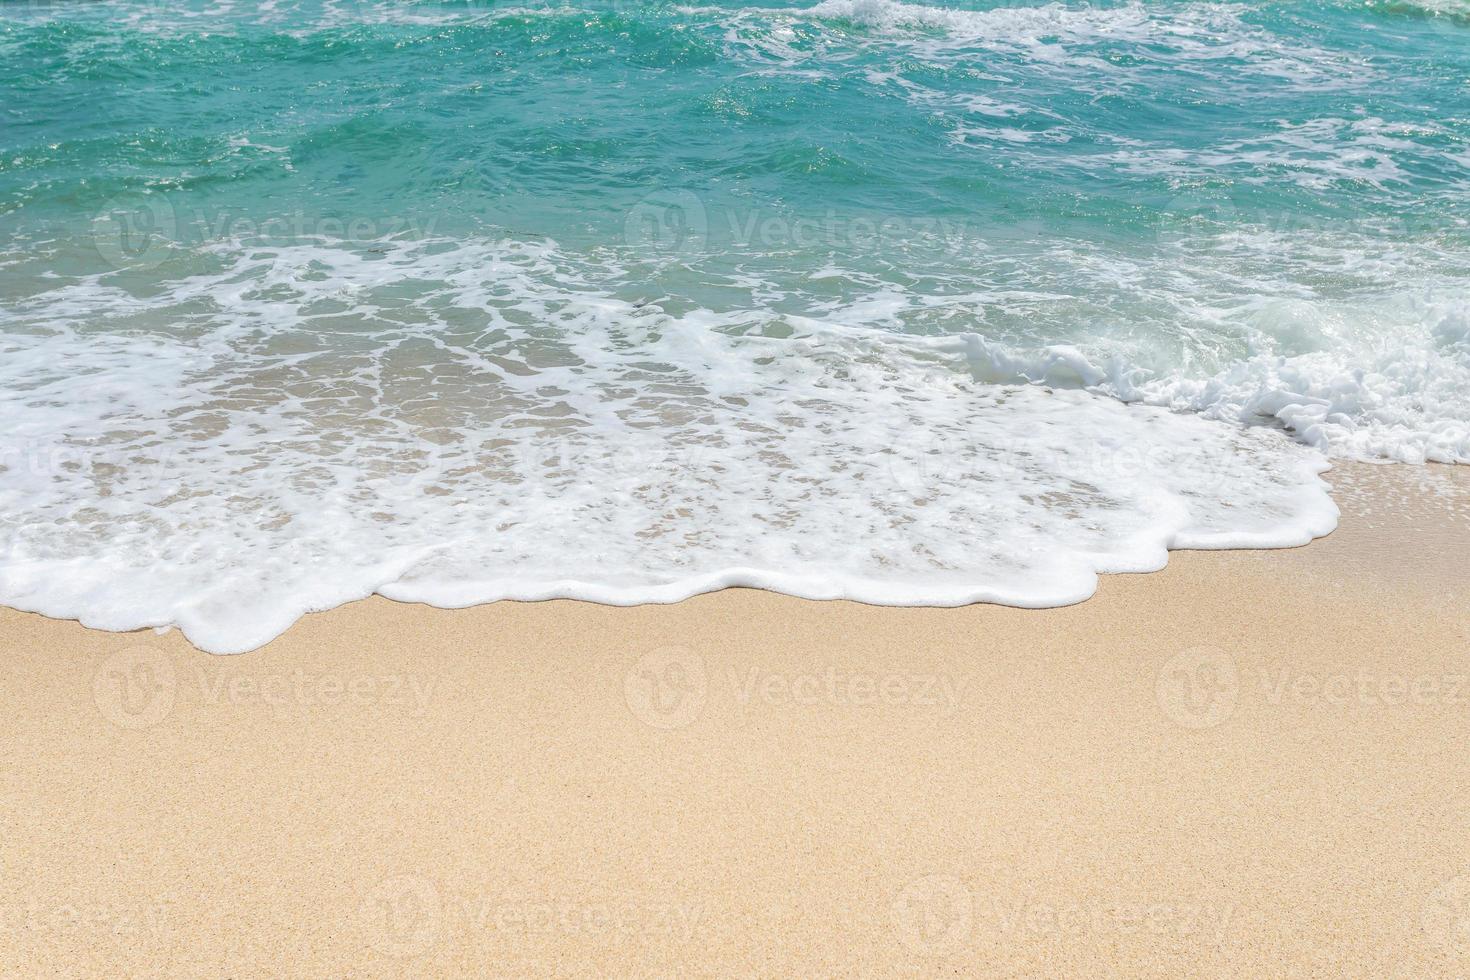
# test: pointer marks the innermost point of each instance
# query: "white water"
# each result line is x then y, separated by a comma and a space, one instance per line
280, 441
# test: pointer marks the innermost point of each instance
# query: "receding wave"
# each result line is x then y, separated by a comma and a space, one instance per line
899, 302
562, 442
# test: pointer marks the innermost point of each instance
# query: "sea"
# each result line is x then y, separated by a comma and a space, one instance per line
625, 301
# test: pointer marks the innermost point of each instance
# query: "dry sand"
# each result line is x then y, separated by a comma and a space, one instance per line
1254, 764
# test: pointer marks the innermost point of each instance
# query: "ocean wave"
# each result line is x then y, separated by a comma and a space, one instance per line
300, 440
891, 301
1401, 404
1054, 38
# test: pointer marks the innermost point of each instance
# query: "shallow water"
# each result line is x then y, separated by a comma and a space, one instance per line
910, 304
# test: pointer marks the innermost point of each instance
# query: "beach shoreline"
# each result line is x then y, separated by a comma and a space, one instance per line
1246, 762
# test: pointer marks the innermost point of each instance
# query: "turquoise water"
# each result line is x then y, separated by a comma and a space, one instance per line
1085, 120
708, 261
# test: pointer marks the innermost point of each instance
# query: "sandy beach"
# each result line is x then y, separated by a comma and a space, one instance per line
893, 320
1251, 763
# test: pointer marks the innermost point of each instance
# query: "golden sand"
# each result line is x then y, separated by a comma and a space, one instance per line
1252, 763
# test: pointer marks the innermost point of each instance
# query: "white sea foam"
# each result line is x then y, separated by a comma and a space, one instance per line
1355, 343
243, 431
279, 436
1406, 404
456, 421
1319, 154
1191, 35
